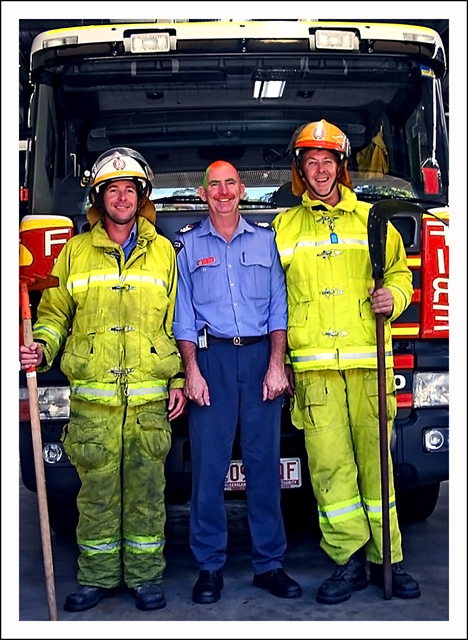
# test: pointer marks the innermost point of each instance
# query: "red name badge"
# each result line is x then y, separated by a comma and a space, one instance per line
203, 261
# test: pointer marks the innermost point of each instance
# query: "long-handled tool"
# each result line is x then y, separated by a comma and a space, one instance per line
379, 215
377, 236
31, 380
41, 240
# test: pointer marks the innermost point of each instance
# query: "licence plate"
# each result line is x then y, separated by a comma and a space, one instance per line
290, 474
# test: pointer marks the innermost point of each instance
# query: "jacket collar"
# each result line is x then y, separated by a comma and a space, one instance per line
207, 227
347, 202
146, 232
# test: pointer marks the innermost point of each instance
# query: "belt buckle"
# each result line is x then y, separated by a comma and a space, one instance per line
237, 340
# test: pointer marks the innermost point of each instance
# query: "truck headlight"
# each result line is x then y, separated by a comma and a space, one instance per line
436, 439
54, 403
430, 389
52, 453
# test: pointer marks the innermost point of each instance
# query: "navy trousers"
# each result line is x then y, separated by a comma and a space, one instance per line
234, 376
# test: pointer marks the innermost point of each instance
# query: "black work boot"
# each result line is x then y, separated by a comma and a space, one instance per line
86, 597
149, 596
403, 585
278, 583
207, 588
345, 579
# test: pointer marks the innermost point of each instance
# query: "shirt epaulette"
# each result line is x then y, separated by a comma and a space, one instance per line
263, 225
189, 227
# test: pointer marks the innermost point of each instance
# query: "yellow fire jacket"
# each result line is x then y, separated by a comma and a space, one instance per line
120, 347
325, 255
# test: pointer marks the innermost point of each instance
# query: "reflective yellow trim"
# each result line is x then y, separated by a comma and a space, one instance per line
48, 334
307, 359
109, 277
405, 331
144, 544
96, 547
114, 394
373, 508
144, 280
413, 262
442, 212
341, 511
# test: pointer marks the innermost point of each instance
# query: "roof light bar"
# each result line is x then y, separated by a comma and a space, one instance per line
149, 43
335, 39
419, 37
60, 41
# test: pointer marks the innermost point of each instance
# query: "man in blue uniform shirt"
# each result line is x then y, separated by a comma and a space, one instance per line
230, 324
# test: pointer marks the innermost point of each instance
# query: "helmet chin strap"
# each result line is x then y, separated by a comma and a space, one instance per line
335, 181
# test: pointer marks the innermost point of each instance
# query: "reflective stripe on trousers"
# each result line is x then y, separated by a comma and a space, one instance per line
339, 414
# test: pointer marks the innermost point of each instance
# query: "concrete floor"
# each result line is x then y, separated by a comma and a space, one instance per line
426, 552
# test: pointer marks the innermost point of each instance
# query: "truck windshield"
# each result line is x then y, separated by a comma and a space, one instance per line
181, 112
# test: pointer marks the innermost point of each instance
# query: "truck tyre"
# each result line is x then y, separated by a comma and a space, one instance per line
299, 509
415, 505
63, 516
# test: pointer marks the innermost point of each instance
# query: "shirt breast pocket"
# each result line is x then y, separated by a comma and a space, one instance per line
206, 278
255, 276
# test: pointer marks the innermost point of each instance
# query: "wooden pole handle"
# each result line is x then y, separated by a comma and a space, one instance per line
384, 452
31, 380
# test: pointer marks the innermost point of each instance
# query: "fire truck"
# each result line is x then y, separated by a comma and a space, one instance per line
185, 93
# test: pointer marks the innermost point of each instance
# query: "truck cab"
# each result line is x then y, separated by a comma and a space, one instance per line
186, 93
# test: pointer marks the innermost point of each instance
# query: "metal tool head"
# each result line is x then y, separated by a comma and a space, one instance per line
36, 282
379, 215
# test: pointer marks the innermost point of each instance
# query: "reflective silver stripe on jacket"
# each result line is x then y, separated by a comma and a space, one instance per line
105, 393
143, 392
312, 243
320, 356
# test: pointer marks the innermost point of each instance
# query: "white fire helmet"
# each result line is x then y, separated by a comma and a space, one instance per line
120, 163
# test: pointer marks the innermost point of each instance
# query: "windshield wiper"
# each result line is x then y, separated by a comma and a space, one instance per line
187, 199
373, 197
179, 199
258, 204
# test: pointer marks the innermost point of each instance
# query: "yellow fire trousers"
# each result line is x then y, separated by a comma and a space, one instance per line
119, 453
338, 411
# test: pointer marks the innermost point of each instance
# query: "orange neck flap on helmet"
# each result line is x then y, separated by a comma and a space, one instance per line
146, 209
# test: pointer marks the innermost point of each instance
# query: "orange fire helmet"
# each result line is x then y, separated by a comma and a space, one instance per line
319, 135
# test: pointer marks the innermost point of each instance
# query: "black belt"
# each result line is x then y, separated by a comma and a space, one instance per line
238, 341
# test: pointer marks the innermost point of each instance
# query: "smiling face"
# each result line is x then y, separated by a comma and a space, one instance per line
222, 190
320, 168
120, 201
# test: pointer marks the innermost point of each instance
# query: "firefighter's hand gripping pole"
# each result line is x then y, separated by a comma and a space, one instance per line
37, 444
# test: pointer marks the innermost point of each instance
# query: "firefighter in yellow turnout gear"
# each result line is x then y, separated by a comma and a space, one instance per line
117, 285
333, 357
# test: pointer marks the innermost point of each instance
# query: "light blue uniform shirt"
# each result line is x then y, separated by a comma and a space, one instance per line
234, 288
130, 242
